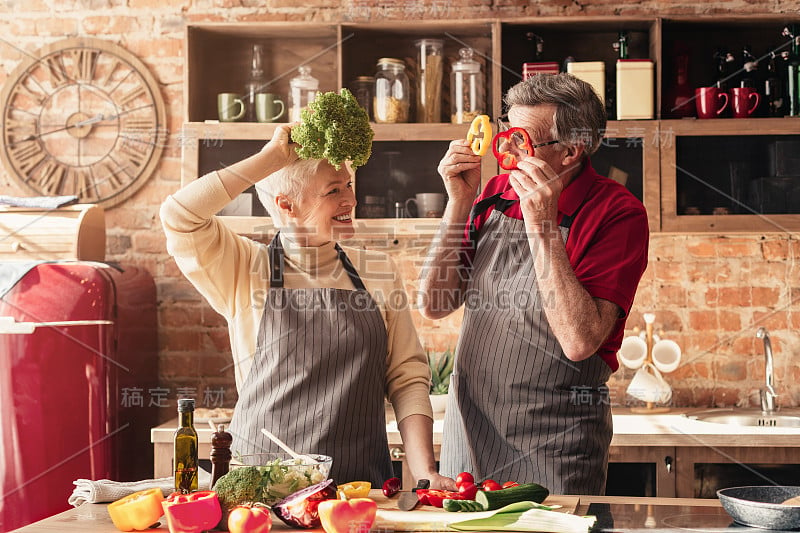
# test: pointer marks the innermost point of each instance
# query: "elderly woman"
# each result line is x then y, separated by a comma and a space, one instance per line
318, 334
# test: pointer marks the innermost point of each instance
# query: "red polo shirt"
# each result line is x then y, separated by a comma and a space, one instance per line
607, 243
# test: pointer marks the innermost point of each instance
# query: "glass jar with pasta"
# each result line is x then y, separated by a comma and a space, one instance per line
391, 100
430, 72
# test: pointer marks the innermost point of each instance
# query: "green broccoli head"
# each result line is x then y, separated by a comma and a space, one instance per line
240, 485
336, 128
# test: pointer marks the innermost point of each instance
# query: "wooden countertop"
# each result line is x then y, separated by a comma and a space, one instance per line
93, 518
630, 429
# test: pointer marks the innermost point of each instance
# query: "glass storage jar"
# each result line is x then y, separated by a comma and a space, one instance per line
362, 87
430, 71
391, 101
302, 91
466, 89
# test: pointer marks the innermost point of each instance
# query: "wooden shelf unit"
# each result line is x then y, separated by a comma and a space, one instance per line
218, 55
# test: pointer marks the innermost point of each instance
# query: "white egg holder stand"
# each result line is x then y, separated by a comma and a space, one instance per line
651, 356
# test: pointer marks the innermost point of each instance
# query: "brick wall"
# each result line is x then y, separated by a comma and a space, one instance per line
709, 292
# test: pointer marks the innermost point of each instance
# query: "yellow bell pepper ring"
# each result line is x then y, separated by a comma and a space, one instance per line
480, 135
137, 511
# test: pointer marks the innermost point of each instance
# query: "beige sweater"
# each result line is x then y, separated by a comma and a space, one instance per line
232, 273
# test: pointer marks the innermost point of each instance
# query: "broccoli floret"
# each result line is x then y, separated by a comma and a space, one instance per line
238, 486
336, 128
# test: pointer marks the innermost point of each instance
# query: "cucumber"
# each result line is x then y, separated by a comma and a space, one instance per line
526, 492
455, 506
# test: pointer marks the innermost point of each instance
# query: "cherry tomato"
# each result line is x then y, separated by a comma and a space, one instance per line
490, 485
510, 484
468, 490
464, 477
391, 487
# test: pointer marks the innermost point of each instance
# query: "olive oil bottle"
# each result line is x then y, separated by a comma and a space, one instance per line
185, 458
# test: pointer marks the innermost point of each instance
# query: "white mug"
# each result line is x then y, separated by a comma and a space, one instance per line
666, 355
648, 385
428, 204
632, 352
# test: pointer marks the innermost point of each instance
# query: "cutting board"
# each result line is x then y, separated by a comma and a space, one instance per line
427, 518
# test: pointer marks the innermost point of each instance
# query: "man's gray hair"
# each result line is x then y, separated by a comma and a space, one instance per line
289, 181
580, 116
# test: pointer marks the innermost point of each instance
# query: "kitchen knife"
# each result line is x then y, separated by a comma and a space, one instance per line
409, 500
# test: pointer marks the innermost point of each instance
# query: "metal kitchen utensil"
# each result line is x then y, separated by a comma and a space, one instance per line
761, 506
409, 500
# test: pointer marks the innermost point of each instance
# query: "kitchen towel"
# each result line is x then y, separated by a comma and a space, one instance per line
105, 490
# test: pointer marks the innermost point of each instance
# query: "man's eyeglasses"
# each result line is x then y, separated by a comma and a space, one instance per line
504, 125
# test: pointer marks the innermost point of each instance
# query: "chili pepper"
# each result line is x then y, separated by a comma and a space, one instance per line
515, 138
391, 487
480, 135
192, 513
435, 497
137, 511
346, 516
249, 518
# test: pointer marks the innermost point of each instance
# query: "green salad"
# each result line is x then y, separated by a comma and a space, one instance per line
267, 483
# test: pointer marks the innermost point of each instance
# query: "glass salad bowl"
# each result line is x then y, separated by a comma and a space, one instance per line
281, 475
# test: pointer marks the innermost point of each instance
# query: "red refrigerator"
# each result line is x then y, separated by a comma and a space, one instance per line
78, 355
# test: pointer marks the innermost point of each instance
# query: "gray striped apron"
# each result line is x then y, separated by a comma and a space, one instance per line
318, 376
518, 409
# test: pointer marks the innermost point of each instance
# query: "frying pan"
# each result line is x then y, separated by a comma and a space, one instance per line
760, 506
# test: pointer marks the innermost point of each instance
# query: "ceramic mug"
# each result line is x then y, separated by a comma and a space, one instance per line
428, 204
666, 355
632, 352
710, 102
269, 107
648, 385
744, 101
230, 107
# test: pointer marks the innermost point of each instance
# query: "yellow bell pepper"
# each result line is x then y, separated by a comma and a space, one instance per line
137, 511
480, 135
347, 516
355, 489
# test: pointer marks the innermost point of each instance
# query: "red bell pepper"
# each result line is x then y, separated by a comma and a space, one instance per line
347, 516
435, 497
192, 513
248, 518
513, 138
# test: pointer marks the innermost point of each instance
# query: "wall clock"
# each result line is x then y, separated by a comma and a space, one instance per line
82, 117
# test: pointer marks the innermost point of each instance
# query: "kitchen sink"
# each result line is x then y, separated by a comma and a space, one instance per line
747, 417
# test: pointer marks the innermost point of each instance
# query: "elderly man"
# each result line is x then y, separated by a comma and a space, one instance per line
547, 273
317, 343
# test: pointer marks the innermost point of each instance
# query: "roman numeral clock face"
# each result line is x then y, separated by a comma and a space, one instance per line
83, 117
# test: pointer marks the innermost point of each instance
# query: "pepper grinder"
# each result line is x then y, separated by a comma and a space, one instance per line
220, 453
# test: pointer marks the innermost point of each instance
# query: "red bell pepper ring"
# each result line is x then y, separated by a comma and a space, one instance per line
516, 139
192, 513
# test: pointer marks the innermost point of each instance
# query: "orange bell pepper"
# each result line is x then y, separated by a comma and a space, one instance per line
480, 135
192, 513
137, 511
347, 516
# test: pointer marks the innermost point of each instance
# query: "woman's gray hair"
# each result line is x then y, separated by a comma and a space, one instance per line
289, 181
580, 116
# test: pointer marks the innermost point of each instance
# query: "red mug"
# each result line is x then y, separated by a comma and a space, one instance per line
710, 102
744, 101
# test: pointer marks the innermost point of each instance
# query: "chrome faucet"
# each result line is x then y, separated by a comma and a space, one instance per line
768, 394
